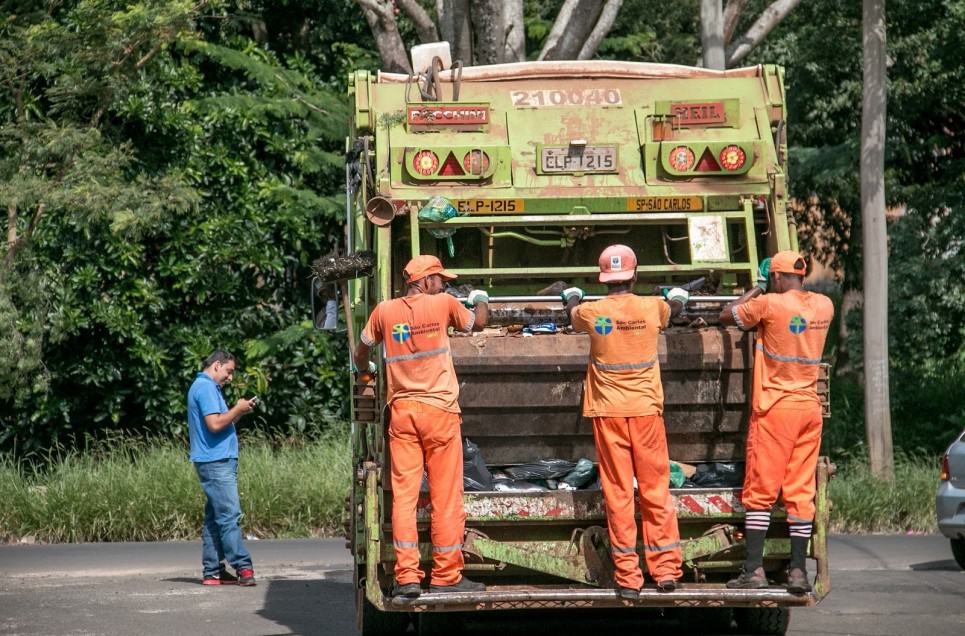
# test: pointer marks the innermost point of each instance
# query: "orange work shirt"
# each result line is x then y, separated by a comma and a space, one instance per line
623, 376
791, 330
414, 331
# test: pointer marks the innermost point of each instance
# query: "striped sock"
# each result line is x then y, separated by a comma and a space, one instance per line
756, 523
800, 535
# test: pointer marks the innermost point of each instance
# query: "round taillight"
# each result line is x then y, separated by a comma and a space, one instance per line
476, 162
732, 158
425, 162
681, 158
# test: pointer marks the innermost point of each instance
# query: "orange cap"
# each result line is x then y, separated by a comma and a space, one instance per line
425, 265
788, 262
617, 263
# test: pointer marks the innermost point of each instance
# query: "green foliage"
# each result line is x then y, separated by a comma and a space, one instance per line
287, 490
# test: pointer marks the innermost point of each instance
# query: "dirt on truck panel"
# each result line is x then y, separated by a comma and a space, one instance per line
539, 167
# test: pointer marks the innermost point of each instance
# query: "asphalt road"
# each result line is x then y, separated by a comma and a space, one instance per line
882, 586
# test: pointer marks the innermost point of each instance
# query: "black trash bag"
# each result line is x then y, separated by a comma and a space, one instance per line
582, 474
475, 475
719, 475
425, 482
541, 469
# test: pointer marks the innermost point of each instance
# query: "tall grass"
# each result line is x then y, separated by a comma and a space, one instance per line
138, 491
862, 503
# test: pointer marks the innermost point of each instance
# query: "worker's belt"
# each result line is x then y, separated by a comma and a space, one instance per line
780, 358
603, 366
418, 354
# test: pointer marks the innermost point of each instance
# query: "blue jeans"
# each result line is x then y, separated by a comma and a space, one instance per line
221, 537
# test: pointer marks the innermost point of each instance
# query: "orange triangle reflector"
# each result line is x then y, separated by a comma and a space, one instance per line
451, 167
707, 163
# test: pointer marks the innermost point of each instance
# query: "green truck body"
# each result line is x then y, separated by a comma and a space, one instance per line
548, 163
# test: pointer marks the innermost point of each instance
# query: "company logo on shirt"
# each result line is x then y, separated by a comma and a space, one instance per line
798, 325
401, 332
603, 325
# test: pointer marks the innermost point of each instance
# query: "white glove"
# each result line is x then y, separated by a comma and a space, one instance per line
570, 292
372, 368
477, 296
678, 294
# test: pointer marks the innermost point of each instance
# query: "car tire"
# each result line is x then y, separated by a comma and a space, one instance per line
958, 551
762, 620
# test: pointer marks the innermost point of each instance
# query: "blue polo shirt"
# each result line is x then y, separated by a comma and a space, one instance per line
205, 398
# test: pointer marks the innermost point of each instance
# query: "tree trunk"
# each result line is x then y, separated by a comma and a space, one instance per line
607, 17
572, 27
732, 15
487, 25
381, 19
11, 232
712, 34
514, 48
874, 236
424, 25
769, 19
455, 28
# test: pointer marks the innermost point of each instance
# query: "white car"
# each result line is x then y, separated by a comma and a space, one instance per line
950, 500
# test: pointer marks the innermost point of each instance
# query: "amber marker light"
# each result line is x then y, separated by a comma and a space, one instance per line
732, 158
425, 162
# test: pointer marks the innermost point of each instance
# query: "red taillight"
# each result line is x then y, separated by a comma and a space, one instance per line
681, 158
707, 163
732, 158
450, 167
476, 162
425, 162
943, 476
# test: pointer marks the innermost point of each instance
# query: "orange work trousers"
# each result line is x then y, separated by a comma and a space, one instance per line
628, 447
420, 436
782, 454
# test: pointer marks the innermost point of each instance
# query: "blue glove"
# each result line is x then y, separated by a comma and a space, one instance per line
679, 294
477, 296
571, 292
763, 271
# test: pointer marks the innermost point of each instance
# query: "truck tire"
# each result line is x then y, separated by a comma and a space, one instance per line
378, 623
440, 623
704, 620
762, 620
958, 551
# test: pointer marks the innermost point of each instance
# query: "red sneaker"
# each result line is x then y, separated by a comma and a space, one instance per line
221, 578
246, 577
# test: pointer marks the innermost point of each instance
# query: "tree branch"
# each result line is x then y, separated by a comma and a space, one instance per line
39, 212
559, 26
11, 232
514, 42
381, 19
424, 25
571, 29
732, 14
603, 25
770, 18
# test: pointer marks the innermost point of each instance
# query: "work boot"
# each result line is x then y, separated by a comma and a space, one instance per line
406, 590
223, 577
797, 581
246, 577
464, 585
629, 593
668, 585
755, 580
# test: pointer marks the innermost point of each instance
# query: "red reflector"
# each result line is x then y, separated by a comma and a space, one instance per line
707, 163
476, 162
450, 167
681, 158
425, 162
944, 474
732, 158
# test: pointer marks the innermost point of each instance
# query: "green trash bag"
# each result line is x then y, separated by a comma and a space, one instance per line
676, 475
439, 209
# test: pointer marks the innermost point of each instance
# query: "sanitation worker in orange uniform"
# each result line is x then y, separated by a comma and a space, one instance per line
424, 427
624, 397
785, 427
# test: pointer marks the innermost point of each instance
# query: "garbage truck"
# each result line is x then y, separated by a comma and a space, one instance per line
542, 165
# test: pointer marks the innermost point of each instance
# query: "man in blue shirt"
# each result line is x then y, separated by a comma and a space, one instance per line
214, 451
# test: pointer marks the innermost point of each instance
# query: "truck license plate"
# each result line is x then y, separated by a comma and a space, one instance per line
556, 159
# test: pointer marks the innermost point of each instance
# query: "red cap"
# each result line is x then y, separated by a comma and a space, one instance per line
425, 265
617, 263
788, 262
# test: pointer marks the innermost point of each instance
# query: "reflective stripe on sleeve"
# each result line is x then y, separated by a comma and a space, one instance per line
447, 548
413, 356
737, 319
661, 548
622, 550
404, 544
368, 341
780, 358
